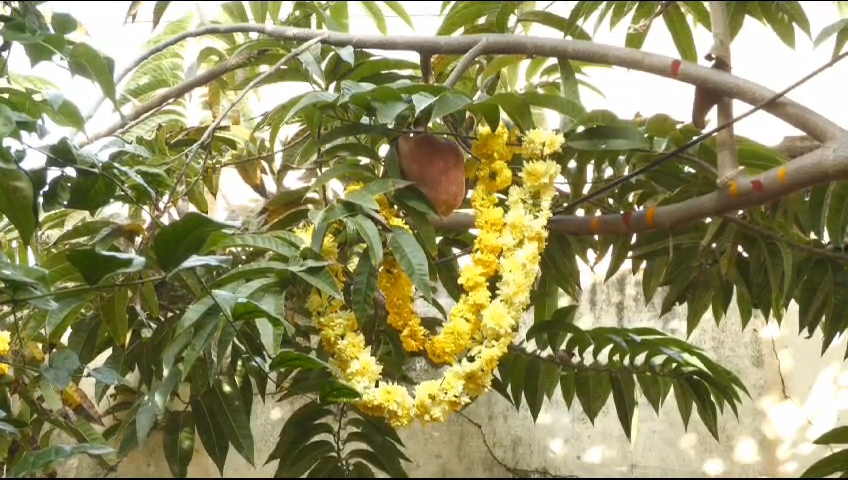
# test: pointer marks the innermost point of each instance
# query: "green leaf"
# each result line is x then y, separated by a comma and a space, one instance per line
593, 390
63, 111
364, 288
373, 11
17, 198
365, 195
827, 466
61, 366
211, 430
113, 310
176, 242
320, 278
412, 259
449, 102
269, 242
108, 376
335, 392
624, 396
158, 12
305, 458
292, 359
681, 34
568, 26
94, 265
36, 462
85, 61
371, 235
400, 12
302, 426
63, 23
838, 435
227, 403
608, 138
178, 442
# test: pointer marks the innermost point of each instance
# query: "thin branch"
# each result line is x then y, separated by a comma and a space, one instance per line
174, 92
820, 252
211, 130
465, 63
81, 290
803, 118
728, 165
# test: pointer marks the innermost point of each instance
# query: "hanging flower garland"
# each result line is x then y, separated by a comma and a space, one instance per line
479, 328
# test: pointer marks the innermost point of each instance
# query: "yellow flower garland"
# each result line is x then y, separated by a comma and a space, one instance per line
510, 243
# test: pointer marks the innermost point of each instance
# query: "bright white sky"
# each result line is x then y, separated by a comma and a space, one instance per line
758, 55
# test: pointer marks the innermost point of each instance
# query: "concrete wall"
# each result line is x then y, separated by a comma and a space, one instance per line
796, 395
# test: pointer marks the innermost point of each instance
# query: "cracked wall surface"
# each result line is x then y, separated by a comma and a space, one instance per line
796, 394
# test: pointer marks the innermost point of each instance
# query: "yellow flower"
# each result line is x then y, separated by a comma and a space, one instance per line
492, 145
479, 328
392, 401
5, 342
4, 369
539, 144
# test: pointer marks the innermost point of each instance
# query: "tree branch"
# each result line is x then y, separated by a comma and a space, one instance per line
172, 93
803, 118
728, 165
826, 164
207, 135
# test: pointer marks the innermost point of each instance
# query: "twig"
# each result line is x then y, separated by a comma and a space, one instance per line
728, 165
211, 130
514, 471
821, 252
465, 63
79, 290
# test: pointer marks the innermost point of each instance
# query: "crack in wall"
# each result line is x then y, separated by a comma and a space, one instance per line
514, 471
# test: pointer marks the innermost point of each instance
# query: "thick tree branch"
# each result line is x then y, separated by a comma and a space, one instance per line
728, 165
803, 118
827, 164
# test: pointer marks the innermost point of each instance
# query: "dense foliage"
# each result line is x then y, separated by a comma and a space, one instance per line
114, 272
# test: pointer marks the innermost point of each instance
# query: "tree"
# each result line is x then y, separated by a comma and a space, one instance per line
109, 249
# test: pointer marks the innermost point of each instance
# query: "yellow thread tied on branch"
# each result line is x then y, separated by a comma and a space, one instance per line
479, 329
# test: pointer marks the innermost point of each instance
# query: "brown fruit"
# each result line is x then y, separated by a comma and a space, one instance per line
436, 166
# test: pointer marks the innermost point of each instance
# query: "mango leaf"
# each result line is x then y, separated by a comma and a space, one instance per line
178, 442
113, 310
364, 288
176, 242
292, 359
94, 265
365, 195
17, 198
371, 235
226, 402
35, 462
211, 430
412, 259
681, 34
61, 366
108, 376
